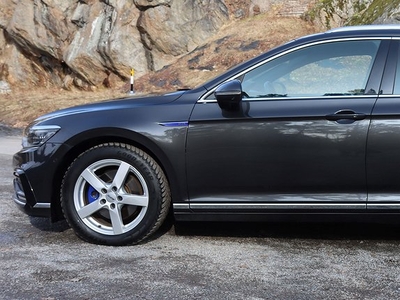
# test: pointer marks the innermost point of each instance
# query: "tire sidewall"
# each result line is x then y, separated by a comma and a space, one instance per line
136, 159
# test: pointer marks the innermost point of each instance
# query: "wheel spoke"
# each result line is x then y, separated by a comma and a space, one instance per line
110, 197
137, 200
89, 209
93, 180
116, 221
121, 175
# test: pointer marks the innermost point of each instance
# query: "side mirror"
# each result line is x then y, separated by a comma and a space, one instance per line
229, 95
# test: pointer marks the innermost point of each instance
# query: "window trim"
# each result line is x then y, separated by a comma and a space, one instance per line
243, 72
390, 71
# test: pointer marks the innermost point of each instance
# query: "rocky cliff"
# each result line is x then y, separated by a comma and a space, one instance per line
334, 13
87, 43
90, 43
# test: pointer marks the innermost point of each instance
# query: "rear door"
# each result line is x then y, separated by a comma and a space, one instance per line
383, 147
299, 140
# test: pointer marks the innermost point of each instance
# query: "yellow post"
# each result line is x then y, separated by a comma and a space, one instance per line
132, 74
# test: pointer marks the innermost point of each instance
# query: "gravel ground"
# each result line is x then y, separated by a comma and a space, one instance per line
40, 260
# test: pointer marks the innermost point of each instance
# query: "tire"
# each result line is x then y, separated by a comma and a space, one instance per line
114, 194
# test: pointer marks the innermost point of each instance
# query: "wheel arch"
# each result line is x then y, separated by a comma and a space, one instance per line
88, 139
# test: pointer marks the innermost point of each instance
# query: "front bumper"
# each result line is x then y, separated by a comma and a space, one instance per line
25, 198
36, 178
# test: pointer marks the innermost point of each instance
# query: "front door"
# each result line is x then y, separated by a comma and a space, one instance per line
299, 139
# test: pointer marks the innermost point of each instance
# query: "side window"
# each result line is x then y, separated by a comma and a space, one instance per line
330, 69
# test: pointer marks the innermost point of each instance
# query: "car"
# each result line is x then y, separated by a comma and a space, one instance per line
310, 128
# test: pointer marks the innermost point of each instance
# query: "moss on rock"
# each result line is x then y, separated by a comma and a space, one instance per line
374, 11
332, 13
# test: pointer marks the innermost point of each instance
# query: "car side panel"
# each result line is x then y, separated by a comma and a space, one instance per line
383, 159
383, 147
278, 151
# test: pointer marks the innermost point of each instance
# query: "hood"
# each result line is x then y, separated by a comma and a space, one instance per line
120, 103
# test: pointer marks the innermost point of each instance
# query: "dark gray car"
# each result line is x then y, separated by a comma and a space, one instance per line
308, 129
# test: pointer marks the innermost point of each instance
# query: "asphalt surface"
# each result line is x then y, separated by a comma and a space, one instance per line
40, 260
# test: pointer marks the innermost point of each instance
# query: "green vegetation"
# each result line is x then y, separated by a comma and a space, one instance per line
364, 12
375, 10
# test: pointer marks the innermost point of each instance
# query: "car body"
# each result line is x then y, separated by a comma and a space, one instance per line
309, 128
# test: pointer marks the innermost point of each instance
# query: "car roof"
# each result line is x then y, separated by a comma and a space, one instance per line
363, 28
382, 30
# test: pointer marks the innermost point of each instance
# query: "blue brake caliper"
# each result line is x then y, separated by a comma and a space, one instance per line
92, 194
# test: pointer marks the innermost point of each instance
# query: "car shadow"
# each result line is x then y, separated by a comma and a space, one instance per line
45, 224
291, 230
285, 230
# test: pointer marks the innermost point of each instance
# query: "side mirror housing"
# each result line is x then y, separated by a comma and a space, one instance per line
229, 95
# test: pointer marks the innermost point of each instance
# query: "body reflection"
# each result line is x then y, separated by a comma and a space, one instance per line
283, 147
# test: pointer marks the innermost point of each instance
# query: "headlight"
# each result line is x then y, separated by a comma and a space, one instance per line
34, 136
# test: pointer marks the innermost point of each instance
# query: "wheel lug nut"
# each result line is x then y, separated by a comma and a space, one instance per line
102, 201
104, 191
112, 205
114, 188
119, 198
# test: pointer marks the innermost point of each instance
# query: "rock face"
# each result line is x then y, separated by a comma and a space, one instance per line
87, 43
283, 8
178, 27
336, 13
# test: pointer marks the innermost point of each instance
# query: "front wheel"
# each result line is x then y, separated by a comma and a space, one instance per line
115, 194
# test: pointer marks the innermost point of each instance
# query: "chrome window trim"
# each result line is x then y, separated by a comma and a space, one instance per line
298, 98
389, 96
203, 100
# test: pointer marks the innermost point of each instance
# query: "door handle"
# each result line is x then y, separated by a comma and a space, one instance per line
346, 115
